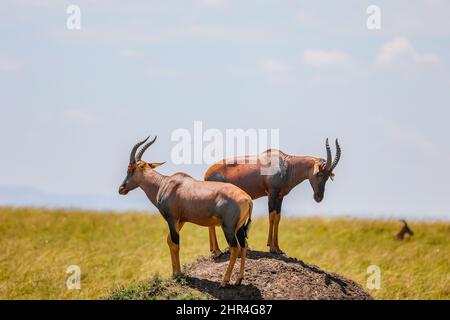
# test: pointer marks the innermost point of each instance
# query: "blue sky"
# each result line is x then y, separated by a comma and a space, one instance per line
73, 102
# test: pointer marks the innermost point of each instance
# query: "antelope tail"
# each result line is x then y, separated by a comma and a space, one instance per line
246, 227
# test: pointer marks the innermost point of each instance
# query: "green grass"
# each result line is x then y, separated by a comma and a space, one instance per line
120, 254
157, 289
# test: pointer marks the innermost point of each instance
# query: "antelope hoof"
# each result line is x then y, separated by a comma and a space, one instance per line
177, 276
276, 251
224, 284
216, 254
239, 281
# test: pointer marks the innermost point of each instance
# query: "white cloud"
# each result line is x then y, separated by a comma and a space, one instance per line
275, 66
405, 17
276, 70
324, 58
214, 4
7, 65
399, 52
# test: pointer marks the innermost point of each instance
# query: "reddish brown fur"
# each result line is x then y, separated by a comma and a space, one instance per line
245, 172
181, 199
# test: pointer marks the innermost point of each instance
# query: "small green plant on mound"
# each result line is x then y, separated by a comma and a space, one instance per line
158, 288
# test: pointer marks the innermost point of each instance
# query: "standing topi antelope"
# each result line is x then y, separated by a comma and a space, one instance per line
246, 173
180, 198
405, 231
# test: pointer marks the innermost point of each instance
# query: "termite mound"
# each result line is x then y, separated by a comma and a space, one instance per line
271, 277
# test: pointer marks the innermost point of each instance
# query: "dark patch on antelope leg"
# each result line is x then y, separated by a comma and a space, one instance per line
174, 235
230, 235
272, 202
275, 203
279, 203
241, 235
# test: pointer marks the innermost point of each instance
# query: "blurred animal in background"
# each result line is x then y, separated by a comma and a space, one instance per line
405, 232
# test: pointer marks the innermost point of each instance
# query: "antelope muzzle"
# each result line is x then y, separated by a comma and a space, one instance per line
123, 189
318, 197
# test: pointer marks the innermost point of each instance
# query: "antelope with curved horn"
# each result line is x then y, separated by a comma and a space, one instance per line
180, 199
246, 173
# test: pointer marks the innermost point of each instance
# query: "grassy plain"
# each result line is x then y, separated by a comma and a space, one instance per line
123, 250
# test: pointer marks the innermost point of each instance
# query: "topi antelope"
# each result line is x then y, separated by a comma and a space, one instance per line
406, 230
180, 198
245, 172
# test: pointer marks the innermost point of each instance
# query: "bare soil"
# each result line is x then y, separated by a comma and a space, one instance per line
271, 277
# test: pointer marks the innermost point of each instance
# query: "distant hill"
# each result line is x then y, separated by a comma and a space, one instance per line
23, 196
26, 196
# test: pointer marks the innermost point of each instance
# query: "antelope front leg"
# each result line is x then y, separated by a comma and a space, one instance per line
242, 267
234, 251
271, 222
274, 207
173, 240
174, 256
275, 233
213, 245
275, 202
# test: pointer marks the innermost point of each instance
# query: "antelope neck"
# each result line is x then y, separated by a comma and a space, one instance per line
299, 168
151, 182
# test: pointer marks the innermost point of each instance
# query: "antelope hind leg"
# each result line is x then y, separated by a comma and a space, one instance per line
213, 245
233, 256
242, 267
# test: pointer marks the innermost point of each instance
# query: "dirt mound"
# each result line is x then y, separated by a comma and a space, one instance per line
271, 277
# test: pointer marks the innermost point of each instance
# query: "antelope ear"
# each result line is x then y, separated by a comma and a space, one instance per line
153, 165
332, 176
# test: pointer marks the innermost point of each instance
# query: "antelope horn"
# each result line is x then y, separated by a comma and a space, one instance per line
139, 156
133, 151
337, 157
328, 166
